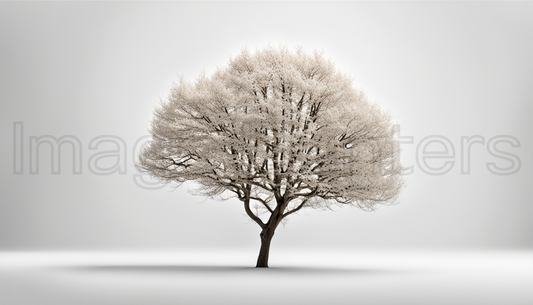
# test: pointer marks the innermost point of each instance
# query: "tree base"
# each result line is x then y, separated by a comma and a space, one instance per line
262, 259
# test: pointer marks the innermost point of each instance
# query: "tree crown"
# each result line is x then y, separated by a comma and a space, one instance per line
276, 126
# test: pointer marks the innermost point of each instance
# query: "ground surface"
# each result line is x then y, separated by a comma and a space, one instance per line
354, 277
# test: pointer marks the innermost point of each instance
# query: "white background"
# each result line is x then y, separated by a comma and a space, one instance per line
92, 69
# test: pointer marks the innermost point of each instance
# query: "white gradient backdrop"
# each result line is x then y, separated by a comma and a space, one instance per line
446, 70
96, 68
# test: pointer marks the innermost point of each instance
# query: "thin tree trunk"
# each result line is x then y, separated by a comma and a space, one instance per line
266, 238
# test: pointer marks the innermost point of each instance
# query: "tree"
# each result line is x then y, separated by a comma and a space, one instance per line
279, 129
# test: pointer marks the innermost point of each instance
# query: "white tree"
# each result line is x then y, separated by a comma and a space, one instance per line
281, 130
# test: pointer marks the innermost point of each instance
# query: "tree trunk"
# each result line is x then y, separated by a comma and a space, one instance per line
266, 237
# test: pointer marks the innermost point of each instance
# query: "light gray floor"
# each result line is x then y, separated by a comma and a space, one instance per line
311, 277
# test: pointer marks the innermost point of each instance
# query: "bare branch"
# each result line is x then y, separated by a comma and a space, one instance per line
265, 204
299, 207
